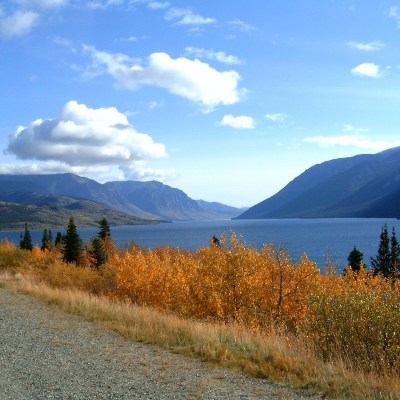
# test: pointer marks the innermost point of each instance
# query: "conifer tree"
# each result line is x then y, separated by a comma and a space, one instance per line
72, 243
105, 231
381, 263
47, 240
26, 242
98, 252
387, 260
355, 260
59, 239
394, 255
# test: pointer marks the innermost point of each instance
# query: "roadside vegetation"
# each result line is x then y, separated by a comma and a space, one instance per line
231, 304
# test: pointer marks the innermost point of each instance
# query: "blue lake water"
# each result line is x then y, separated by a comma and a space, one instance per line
321, 239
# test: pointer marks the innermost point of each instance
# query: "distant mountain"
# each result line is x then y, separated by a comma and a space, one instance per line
49, 211
366, 185
145, 200
219, 209
159, 200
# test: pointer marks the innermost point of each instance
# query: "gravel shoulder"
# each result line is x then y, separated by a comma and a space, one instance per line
48, 354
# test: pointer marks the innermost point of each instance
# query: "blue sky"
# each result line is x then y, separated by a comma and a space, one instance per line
227, 100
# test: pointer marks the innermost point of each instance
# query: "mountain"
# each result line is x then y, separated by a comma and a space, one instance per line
159, 200
219, 209
44, 211
366, 185
145, 200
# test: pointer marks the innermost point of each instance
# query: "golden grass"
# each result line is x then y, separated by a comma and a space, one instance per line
270, 356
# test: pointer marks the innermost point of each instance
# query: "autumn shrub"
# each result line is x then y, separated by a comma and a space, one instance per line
357, 318
232, 283
12, 257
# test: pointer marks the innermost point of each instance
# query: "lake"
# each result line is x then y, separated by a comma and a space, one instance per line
321, 239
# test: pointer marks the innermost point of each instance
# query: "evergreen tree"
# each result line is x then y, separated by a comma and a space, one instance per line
59, 238
98, 252
26, 242
72, 243
382, 263
355, 260
46, 240
394, 255
105, 231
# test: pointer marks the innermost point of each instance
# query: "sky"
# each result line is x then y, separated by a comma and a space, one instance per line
227, 100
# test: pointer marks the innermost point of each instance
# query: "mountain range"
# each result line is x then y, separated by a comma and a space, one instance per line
366, 185
123, 202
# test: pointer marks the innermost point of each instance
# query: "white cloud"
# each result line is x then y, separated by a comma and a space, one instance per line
355, 140
394, 12
277, 117
242, 26
98, 4
185, 16
351, 128
87, 140
369, 46
43, 3
219, 56
18, 24
369, 70
191, 79
239, 122
158, 5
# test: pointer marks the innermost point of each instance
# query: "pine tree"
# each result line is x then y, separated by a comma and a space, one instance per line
26, 242
355, 260
98, 252
383, 263
105, 231
72, 243
47, 240
59, 239
394, 255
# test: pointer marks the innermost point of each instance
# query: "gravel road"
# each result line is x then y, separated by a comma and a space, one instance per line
48, 354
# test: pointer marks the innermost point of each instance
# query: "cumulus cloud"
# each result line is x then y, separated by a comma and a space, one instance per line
185, 16
354, 140
369, 70
239, 122
86, 140
19, 23
191, 79
277, 117
367, 46
219, 56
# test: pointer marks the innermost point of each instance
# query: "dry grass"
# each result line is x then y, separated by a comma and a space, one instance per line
270, 356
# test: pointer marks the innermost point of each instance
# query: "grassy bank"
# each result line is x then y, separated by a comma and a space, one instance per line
307, 356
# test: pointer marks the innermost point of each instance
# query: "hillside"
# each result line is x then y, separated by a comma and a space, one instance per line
44, 211
359, 186
144, 200
220, 209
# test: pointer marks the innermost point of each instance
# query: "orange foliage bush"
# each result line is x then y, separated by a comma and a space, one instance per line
232, 283
354, 318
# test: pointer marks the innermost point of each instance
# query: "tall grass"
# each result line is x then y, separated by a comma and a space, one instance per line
270, 355
235, 306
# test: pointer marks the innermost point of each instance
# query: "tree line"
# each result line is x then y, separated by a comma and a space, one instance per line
387, 260
70, 244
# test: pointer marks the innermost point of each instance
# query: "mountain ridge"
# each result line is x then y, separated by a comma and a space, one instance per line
145, 200
346, 187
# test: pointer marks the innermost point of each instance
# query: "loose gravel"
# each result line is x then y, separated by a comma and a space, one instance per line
48, 354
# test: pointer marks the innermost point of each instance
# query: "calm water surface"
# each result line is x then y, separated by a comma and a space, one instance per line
321, 239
